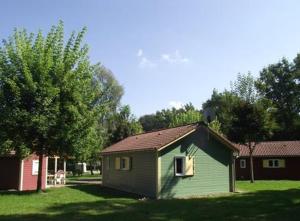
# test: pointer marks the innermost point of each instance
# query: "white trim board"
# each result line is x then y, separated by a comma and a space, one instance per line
21, 175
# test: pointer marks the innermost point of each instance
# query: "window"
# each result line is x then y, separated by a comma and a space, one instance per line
126, 163
122, 163
179, 166
274, 163
35, 167
270, 163
184, 166
242, 163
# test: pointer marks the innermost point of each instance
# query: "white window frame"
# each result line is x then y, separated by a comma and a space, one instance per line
243, 163
183, 165
35, 167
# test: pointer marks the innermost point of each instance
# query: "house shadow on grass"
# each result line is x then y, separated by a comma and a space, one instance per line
113, 205
104, 192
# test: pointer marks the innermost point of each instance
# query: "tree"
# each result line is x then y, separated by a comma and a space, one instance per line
108, 98
220, 105
111, 91
171, 118
124, 124
280, 83
187, 117
244, 88
152, 121
48, 102
251, 124
215, 125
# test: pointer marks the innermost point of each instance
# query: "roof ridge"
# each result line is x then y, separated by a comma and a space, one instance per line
157, 130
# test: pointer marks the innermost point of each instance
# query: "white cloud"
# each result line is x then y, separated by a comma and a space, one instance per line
175, 57
140, 53
176, 104
146, 63
171, 58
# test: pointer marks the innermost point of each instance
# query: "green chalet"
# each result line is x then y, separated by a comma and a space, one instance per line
185, 161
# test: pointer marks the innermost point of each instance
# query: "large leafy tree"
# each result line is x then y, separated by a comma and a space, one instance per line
220, 106
48, 103
111, 91
109, 97
123, 124
251, 123
252, 116
244, 88
280, 83
242, 115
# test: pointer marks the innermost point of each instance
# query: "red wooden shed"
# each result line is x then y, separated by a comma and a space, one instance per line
21, 174
272, 160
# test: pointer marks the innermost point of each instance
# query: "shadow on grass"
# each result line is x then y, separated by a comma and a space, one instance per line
19, 193
104, 192
114, 205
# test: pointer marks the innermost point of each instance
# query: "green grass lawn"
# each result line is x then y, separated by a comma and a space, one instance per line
264, 200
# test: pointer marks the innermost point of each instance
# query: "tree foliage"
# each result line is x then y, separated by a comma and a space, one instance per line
280, 83
48, 103
186, 117
251, 124
171, 118
244, 88
215, 125
220, 106
123, 124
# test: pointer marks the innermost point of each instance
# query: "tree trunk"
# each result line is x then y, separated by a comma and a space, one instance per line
91, 169
251, 168
251, 149
40, 173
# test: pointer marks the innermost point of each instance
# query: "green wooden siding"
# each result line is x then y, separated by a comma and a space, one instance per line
212, 167
140, 179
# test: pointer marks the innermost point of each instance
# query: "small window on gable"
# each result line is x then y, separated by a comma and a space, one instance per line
35, 167
243, 163
179, 166
184, 166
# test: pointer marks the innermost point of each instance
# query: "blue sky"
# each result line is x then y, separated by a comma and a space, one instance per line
169, 52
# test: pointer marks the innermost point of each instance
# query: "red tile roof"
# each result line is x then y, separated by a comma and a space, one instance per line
155, 140
151, 140
273, 149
